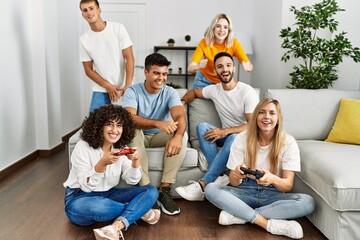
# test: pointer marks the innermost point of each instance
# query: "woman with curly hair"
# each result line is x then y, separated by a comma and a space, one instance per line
218, 37
97, 165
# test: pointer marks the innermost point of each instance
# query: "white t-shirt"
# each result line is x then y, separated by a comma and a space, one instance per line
105, 50
83, 160
289, 155
232, 105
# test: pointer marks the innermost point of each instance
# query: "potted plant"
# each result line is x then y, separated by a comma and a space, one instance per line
319, 56
171, 42
187, 40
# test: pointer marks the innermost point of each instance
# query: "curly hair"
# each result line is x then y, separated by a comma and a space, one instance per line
92, 126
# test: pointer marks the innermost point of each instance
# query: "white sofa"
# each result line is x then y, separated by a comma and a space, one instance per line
329, 171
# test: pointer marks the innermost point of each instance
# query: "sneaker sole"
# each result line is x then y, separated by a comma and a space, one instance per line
166, 211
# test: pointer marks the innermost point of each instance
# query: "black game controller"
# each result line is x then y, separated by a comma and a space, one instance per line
257, 173
125, 151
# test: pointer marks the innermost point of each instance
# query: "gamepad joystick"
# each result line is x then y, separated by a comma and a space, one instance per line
257, 173
125, 151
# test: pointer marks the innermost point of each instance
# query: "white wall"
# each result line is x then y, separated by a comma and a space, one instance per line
17, 108
349, 71
40, 85
267, 22
69, 25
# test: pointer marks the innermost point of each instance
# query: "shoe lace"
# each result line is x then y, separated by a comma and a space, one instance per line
120, 233
283, 230
167, 199
194, 186
166, 195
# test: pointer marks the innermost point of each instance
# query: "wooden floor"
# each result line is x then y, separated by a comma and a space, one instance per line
31, 207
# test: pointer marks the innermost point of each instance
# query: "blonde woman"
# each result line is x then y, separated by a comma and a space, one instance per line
219, 37
263, 200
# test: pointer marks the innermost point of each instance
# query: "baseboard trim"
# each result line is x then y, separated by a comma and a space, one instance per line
68, 136
12, 168
49, 152
34, 155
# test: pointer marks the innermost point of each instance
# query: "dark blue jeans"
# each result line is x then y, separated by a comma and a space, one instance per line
123, 204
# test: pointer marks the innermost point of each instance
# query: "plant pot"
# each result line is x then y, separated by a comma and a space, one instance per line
170, 44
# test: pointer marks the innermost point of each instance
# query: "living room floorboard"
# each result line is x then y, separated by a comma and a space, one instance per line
31, 207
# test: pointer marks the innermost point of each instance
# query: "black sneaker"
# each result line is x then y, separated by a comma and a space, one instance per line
166, 202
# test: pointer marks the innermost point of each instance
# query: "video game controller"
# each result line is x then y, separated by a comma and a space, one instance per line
257, 173
125, 151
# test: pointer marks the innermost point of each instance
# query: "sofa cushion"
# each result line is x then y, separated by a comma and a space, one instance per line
201, 110
310, 114
346, 128
332, 170
156, 156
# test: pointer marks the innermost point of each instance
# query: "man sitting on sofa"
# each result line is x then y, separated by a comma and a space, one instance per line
150, 104
234, 102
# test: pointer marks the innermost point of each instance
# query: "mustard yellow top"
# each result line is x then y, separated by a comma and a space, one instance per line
209, 53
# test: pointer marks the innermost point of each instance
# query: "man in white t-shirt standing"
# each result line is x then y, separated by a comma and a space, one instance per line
234, 102
107, 56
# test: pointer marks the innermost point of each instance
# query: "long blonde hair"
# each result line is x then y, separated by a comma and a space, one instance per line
209, 33
277, 142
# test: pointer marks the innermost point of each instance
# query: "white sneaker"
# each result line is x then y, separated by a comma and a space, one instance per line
291, 229
222, 180
228, 219
191, 192
109, 232
152, 216
203, 163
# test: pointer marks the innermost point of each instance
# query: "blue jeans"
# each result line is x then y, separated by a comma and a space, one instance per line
123, 204
216, 159
99, 99
200, 81
250, 199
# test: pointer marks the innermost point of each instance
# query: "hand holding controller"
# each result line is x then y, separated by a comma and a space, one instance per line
125, 151
257, 173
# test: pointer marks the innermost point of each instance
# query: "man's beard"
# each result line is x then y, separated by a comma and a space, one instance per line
230, 77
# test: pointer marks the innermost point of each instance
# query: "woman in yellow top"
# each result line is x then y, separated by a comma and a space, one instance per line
219, 37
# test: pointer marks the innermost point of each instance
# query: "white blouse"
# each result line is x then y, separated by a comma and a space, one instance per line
289, 155
83, 160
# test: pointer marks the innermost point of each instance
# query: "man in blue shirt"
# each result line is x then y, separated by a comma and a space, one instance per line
151, 104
